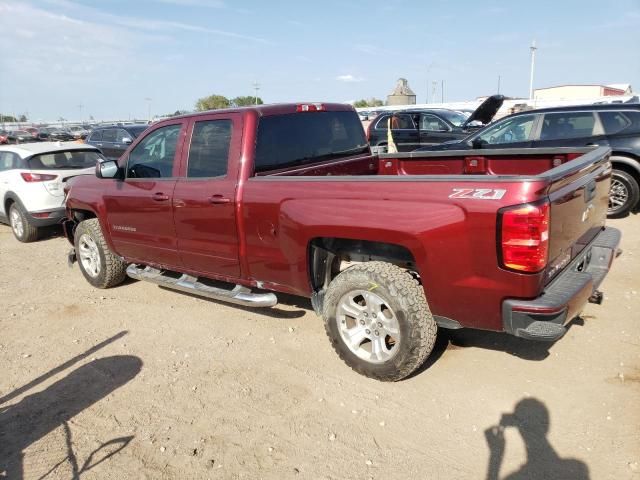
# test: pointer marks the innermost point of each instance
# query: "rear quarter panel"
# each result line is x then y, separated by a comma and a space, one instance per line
453, 241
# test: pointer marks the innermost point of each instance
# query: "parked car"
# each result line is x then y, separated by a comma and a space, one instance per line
4, 137
415, 128
616, 126
51, 134
20, 136
289, 198
32, 177
113, 141
32, 130
78, 132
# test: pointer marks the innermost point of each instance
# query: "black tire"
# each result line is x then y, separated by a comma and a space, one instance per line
627, 191
111, 270
404, 296
22, 229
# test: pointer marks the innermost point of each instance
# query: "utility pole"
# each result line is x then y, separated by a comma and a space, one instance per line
498, 83
533, 49
256, 87
148, 100
434, 86
80, 109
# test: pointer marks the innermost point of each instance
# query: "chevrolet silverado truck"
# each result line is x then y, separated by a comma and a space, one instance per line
237, 204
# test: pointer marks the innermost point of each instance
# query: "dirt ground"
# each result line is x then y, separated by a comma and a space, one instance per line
139, 382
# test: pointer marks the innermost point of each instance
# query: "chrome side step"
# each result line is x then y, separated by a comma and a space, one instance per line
239, 295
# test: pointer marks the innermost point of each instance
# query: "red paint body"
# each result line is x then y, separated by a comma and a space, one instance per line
262, 236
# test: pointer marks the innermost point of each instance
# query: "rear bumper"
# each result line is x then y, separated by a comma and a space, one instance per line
543, 318
55, 217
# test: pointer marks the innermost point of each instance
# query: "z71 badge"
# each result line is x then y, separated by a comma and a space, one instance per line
478, 193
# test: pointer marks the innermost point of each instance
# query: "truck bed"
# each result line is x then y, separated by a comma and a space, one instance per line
532, 161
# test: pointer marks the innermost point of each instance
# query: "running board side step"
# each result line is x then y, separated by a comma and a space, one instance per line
239, 295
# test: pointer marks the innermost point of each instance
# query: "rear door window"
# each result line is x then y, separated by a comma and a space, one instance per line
557, 126
209, 149
109, 135
96, 136
401, 121
303, 138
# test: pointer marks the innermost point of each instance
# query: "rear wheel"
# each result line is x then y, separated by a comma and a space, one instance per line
101, 267
624, 194
23, 230
378, 320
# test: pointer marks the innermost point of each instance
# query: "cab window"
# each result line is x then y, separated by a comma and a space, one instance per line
153, 157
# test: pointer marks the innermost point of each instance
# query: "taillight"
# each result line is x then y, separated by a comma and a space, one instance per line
310, 107
37, 177
524, 237
369, 130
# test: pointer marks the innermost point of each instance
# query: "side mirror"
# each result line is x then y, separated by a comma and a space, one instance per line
108, 169
478, 142
126, 141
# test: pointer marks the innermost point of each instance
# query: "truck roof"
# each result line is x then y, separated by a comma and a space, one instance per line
274, 109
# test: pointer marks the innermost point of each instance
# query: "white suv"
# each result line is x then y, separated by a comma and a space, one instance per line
32, 178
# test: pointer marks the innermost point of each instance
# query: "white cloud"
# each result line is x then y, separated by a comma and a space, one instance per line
349, 78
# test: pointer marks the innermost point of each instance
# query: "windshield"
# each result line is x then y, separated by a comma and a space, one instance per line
303, 138
65, 160
455, 118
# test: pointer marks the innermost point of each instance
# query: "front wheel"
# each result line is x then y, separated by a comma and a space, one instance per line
378, 320
624, 194
101, 267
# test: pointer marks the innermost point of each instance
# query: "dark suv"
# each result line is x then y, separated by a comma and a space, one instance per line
616, 126
415, 128
113, 141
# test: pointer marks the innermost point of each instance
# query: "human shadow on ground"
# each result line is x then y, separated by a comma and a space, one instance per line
531, 418
36, 415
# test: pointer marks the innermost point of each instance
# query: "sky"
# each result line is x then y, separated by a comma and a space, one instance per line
81, 58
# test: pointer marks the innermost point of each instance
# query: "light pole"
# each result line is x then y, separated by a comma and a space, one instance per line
80, 109
256, 87
148, 100
498, 84
533, 49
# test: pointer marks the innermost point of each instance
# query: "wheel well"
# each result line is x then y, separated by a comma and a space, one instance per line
7, 204
625, 167
329, 256
81, 215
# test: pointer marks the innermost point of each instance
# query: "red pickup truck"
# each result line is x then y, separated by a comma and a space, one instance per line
234, 204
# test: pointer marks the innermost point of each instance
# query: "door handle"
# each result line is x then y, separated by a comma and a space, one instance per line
98, 144
219, 199
160, 197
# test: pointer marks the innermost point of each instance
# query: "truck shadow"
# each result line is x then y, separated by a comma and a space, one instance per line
503, 342
532, 420
36, 415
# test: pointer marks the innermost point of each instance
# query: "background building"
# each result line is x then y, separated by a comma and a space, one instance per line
402, 94
575, 92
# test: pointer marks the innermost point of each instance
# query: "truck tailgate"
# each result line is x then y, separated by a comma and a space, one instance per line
578, 194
